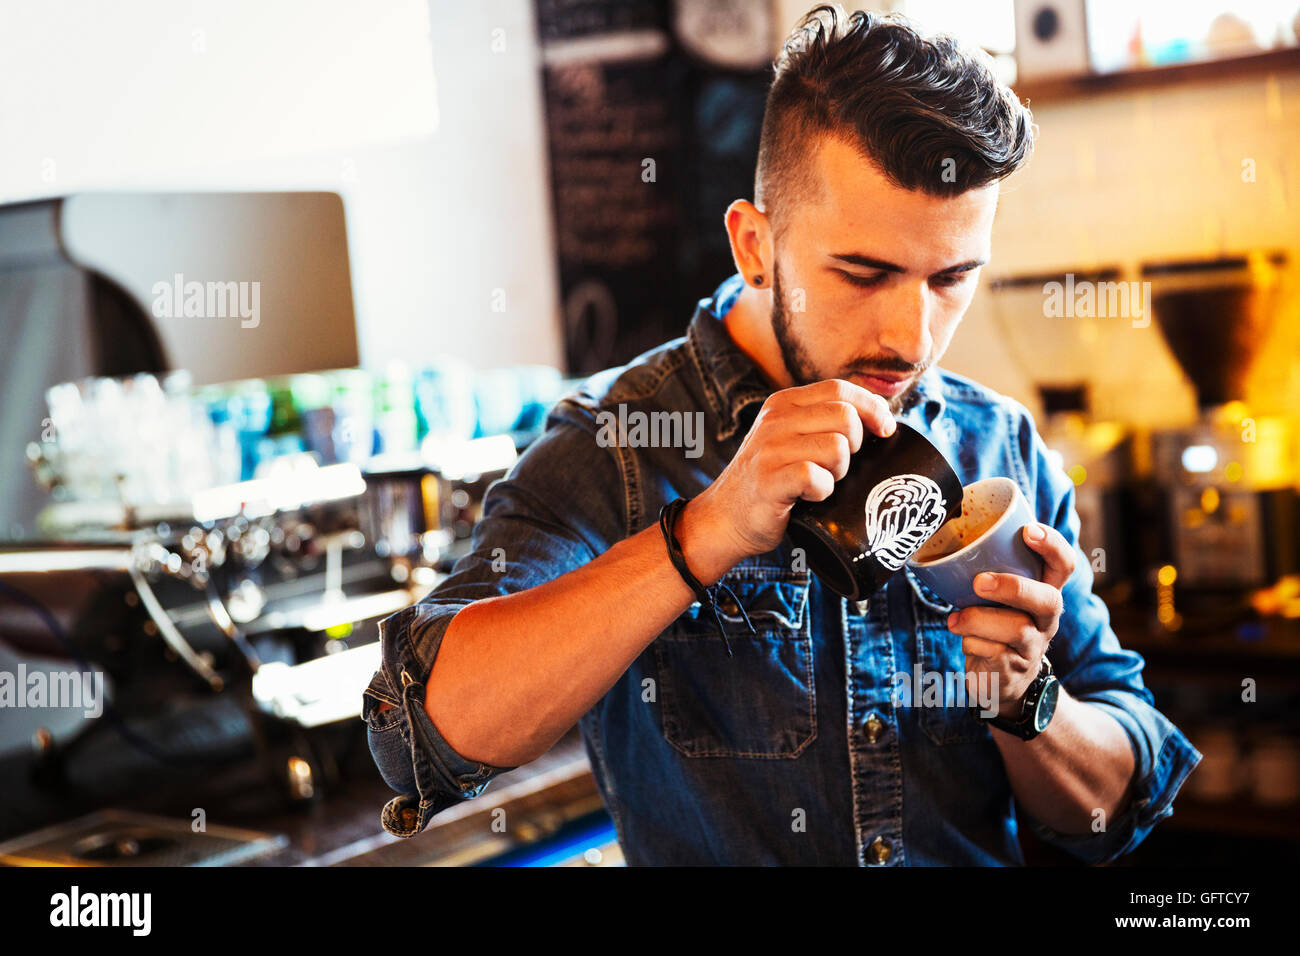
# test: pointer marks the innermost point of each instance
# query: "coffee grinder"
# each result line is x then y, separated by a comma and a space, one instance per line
1226, 504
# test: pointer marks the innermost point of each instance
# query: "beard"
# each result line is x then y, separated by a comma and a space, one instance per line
800, 366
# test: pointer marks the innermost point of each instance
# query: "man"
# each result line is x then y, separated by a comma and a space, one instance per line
877, 181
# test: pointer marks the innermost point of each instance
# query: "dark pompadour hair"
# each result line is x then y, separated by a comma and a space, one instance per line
908, 101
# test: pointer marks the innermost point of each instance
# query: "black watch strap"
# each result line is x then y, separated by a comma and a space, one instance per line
1023, 726
706, 595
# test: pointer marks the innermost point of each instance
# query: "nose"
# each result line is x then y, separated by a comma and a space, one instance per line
904, 329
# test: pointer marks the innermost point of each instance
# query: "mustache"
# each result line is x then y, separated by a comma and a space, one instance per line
884, 364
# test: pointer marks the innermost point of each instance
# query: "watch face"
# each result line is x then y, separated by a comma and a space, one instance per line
1046, 705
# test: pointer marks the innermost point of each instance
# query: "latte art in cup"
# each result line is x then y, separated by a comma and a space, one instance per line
980, 510
984, 535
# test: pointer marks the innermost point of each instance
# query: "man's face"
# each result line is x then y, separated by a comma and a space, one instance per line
870, 280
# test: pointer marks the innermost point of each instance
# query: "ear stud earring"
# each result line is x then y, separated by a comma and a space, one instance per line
758, 280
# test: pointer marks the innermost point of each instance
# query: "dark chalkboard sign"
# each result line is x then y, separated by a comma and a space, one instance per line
571, 19
648, 145
614, 152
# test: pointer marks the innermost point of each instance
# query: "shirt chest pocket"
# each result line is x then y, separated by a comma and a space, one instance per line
758, 703
947, 708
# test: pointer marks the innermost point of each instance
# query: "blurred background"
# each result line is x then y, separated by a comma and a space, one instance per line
284, 287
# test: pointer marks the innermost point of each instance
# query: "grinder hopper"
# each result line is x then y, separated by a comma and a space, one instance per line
1214, 315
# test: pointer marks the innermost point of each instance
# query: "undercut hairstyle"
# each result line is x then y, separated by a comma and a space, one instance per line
928, 112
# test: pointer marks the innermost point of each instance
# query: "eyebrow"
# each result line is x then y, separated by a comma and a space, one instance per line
870, 262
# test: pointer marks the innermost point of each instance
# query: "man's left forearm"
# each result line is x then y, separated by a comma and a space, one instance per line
1082, 763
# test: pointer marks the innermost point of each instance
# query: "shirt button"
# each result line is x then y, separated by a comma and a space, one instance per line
878, 851
874, 726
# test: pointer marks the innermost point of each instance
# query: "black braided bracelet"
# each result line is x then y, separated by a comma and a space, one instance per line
707, 596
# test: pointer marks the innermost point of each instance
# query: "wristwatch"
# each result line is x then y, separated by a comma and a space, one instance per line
1037, 706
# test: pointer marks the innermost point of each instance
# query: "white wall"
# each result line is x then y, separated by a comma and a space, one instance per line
306, 94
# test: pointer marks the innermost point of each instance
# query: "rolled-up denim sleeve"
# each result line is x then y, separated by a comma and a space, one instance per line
412, 756
1093, 667
557, 509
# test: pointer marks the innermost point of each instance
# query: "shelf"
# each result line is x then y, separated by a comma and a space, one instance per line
1037, 92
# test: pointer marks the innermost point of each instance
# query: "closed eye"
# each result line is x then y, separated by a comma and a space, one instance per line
944, 280
863, 282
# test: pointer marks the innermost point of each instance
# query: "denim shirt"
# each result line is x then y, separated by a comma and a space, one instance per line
798, 749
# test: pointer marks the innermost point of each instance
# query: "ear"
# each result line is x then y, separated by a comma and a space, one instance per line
751, 243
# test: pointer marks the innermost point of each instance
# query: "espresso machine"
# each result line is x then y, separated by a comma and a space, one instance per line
1225, 503
227, 608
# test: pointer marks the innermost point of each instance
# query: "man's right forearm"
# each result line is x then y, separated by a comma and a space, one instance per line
515, 672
